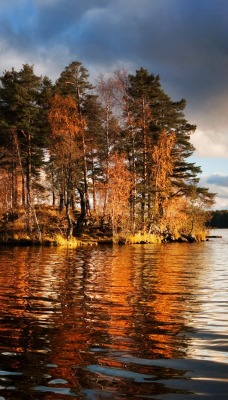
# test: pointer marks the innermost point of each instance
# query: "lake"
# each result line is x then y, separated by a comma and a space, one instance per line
135, 322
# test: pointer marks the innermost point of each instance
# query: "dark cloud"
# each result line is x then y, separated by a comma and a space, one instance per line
217, 183
185, 41
218, 180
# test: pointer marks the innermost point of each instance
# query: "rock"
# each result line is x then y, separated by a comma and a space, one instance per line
182, 239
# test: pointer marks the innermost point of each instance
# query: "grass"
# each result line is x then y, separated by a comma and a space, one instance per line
53, 226
141, 238
59, 240
201, 235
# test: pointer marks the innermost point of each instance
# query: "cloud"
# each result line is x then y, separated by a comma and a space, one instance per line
174, 37
185, 42
217, 183
210, 142
218, 180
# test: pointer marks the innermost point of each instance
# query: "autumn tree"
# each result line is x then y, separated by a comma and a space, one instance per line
148, 112
66, 130
122, 148
74, 81
187, 216
162, 171
116, 192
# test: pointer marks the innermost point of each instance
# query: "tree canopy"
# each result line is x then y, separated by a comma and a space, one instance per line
116, 152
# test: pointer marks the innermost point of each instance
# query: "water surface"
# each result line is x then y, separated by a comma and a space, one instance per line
136, 322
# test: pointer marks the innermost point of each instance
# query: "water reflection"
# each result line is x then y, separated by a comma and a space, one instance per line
111, 322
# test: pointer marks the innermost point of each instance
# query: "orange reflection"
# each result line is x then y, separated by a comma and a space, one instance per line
75, 308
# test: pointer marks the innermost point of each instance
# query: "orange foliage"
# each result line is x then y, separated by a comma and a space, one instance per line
163, 167
66, 127
63, 116
116, 193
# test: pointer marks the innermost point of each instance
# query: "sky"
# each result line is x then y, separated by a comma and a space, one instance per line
183, 41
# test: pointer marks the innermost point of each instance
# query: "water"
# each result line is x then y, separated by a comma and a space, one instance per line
135, 322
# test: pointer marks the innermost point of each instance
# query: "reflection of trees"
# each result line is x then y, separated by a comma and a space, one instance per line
150, 299
72, 309
163, 302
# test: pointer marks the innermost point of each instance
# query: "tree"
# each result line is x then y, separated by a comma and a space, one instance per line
124, 145
142, 91
162, 171
19, 111
94, 144
187, 215
74, 81
114, 195
108, 138
66, 129
148, 112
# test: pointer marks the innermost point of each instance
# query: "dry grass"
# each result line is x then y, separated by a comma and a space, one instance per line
141, 238
201, 235
61, 241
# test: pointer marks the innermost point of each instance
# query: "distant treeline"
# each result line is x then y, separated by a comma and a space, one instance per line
219, 219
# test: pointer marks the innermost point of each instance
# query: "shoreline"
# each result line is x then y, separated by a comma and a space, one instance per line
92, 241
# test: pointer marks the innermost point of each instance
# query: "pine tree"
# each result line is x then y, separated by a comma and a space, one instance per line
74, 81
148, 112
124, 145
19, 110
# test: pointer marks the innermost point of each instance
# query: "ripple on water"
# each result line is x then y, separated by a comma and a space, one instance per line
114, 322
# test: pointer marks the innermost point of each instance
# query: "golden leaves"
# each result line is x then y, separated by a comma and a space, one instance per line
116, 191
63, 116
163, 161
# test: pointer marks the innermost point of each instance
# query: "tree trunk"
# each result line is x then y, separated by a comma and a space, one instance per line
144, 177
69, 221
61, 202
85, 171
82, 215
133, 193
28, 184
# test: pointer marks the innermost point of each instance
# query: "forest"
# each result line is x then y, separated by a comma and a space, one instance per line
109, 159
218, 219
